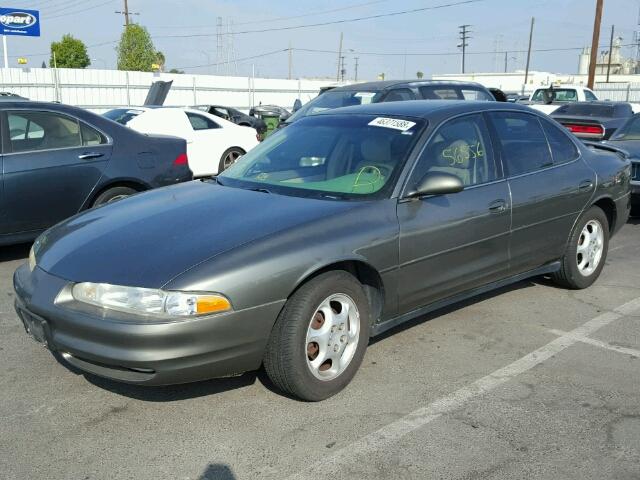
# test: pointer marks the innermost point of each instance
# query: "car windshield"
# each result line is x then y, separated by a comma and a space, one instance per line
329, 156
122, 115
629, 131
586, 109
334, 99
559, 94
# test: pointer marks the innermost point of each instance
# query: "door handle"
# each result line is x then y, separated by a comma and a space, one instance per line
498, 206
585, 185
89, 155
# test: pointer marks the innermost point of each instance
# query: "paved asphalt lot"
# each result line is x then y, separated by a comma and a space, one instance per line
528, 382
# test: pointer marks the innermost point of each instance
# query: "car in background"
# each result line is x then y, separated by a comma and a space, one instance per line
627, 139
593, 120
58, 160
213, 144
391, 91
516, 97
337, 228
235, 116
271, 110
547, 99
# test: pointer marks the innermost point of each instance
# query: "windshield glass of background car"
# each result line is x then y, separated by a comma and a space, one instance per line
560, 95
334, 99
353, 156
629, 131
122, 115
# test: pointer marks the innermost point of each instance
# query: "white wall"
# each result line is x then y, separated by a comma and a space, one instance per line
103, 89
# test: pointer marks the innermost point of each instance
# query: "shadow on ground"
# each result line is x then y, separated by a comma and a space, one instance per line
14, 252
217, 471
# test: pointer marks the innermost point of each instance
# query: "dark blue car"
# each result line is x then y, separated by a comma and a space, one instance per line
57, 160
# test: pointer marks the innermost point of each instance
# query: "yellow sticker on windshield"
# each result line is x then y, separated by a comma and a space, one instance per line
395, 123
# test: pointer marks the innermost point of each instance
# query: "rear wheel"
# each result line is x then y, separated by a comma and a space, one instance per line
320, 337
113, 195
586, 251
229, 157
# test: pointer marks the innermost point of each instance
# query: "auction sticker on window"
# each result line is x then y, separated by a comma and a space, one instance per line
395, 123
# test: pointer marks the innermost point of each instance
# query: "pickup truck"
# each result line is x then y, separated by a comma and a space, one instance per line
547, 99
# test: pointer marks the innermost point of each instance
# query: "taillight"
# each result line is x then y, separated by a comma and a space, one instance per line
181, 159
585, 129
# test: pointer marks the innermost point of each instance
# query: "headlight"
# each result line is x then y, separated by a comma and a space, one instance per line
32, 259
150, 301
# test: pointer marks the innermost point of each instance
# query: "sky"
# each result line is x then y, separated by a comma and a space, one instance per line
394, 45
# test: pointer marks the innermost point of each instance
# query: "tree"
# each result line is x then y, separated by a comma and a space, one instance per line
175, 70
419, 74
135, 50
69, 53
160, 60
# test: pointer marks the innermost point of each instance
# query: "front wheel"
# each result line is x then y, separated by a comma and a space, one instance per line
229, 157
586, 251
320, 337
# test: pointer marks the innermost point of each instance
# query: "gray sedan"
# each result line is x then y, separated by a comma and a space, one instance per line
335, 229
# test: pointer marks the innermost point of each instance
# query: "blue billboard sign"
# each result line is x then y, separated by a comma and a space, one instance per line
18, 21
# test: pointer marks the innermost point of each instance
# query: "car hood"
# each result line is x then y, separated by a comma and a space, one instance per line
630, 146
148, 239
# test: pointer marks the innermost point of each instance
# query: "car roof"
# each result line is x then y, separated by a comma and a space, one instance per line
384, 84
604, 103
424, 108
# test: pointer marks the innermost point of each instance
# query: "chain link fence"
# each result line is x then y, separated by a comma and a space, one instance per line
620, 92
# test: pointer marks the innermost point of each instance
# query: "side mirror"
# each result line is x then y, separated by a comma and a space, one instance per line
297, 105
437, 183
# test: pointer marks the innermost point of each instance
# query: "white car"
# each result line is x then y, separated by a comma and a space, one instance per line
213, 144
547, 99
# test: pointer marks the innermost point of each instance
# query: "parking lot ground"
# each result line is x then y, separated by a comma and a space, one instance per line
531, 381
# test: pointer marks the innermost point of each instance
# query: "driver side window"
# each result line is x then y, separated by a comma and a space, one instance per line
460, 147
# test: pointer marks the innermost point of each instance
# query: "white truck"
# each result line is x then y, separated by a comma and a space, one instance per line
547, 99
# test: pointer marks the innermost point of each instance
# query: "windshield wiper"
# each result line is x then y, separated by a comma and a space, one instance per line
259, 189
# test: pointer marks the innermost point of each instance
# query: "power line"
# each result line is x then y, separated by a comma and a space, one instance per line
78, 11
333, 22
278, 19
273, 52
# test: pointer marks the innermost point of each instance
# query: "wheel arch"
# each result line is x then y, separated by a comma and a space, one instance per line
137, 185
608, 206
364, 272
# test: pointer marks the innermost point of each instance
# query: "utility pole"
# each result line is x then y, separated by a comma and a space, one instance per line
339, 59
127, 13
526, 70
594, 44
290, 60
464, 36
610, 52
343, 69
506, 61
356, 68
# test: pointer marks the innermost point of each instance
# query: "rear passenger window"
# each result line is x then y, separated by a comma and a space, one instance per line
432, 92
91, 136
522, 141
200, 122
562, 148
399, 94
470, 94
32, 131
462, 148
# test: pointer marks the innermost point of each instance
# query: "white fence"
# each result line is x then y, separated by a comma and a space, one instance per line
103, 89
621, 91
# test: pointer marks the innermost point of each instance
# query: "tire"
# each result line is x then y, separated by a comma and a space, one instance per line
578, 270
113, 195
290, 359
229, 157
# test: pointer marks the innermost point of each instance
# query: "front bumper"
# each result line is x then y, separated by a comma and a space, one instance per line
109, 344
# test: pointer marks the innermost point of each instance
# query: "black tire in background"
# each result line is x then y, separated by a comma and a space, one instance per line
569, 275
287, 360
113, 195
229, 157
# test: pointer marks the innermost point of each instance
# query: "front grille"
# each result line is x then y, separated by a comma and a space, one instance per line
635, 171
